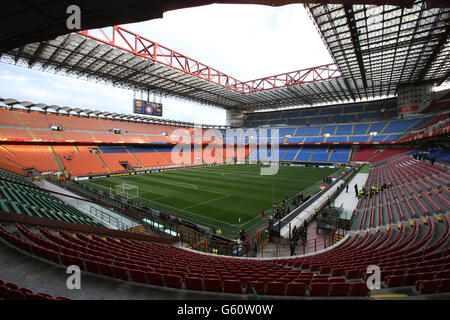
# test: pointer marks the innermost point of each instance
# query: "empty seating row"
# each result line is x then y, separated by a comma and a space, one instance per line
332, 114
26, 199
404, 255
11, 291
160, 265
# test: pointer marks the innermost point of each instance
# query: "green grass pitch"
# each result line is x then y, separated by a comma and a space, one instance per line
230, 196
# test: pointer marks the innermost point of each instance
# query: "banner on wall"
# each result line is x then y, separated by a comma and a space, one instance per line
408, 109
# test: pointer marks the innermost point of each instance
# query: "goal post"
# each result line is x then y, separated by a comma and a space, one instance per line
127, 191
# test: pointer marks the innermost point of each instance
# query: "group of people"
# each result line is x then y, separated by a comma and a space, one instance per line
280, 213
297, 235
327, 180
422, 156
364, 193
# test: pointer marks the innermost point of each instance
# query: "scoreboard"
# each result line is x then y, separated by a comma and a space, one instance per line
147, 108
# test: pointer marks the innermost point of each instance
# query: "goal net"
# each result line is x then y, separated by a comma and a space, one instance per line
127, 191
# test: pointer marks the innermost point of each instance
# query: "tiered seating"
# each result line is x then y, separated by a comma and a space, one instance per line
18, 195
15, 134
34, 125
374, 154
161, 265
31, 156
418, 189
81, 157
11, 291
31, 119
321, 115
405, 254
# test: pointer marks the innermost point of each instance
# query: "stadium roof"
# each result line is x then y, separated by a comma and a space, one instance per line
387, 44
375, 49
36, 20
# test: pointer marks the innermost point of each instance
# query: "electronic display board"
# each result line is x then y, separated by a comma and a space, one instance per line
147, 108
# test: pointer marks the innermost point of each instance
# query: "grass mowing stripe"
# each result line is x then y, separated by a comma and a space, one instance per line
203, 203
223, 195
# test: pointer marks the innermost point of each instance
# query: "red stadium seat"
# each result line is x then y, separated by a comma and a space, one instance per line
214, 285
295, 289
91, 266
138, 276
359, 289
13, 294
34, 297
275, 288
106, 270
3, 291
120, 273
394, 281
155, 278
428, 286
258, 286
339, 289
232, 286
194, 283
12, 286
410, 279
319, 289
173, 280
444, 285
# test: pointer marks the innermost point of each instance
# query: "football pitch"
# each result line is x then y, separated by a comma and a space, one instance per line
231, 197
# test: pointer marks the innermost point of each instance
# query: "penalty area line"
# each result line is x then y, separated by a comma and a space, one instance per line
208, 201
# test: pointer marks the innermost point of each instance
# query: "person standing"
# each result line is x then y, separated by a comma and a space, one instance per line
346, 188
356, 190
293, 244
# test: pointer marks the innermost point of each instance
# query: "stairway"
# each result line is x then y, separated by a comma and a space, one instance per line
337, 237
140, 229
134, 157
58, 162
168, 162
103, 162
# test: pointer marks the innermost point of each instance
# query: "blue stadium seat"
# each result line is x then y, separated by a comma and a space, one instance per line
344, 130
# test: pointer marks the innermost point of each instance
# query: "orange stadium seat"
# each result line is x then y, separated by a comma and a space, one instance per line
11, 166
82, 123
133, 138
32, 119
113, 160
57, 120
107, 137
153, 159
82, 156
31, 156
44, 134
75, 136
15, 134
9, 118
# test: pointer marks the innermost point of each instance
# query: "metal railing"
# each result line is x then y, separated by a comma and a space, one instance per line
113, 221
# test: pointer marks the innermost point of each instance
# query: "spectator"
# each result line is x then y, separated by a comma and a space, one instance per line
293, 244
242, 235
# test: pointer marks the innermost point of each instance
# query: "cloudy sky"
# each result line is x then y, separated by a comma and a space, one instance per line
244, 41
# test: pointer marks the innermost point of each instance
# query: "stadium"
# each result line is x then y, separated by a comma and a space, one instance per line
329, 182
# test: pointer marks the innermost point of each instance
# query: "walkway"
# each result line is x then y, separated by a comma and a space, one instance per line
348, 200
307, 213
